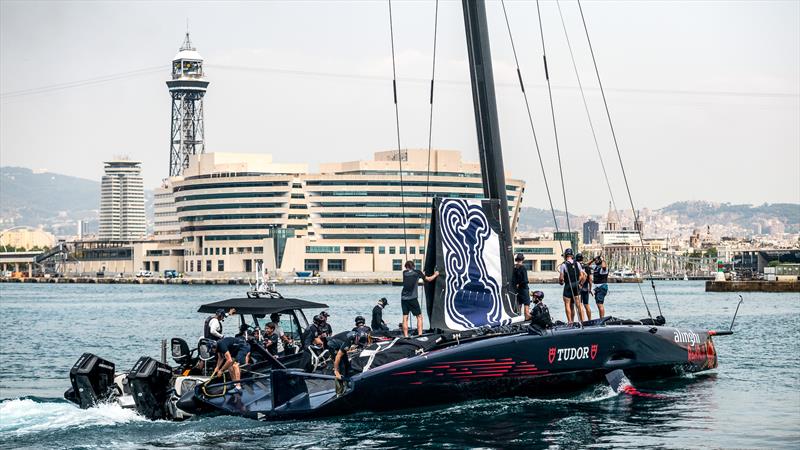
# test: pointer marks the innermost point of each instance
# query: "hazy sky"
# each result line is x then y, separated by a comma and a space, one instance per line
705, 96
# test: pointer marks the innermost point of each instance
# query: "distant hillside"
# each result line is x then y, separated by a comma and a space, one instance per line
535, 219
710, 213
52, 200
39, 198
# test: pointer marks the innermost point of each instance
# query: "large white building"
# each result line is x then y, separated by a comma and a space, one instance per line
122, 201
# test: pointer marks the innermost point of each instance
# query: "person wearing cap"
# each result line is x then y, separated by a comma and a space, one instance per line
377, 316
212, 327
361, 326
409, 302
519, 279
325, 327
570, 275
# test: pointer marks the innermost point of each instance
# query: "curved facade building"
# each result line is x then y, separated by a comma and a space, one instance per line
232, 211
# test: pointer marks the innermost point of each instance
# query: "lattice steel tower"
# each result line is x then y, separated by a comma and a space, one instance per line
187, 88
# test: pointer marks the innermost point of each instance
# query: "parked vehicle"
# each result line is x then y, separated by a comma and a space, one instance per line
144, 274
171, 273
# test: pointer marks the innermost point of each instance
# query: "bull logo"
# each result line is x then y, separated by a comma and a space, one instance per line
551, 355
593, 351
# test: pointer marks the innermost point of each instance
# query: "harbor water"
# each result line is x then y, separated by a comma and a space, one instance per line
751, 401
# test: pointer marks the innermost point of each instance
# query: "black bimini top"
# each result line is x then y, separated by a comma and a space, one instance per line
260, 306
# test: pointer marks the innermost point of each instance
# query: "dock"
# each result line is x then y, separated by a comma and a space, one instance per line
753, 286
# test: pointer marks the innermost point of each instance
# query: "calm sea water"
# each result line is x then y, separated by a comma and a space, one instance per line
751, 400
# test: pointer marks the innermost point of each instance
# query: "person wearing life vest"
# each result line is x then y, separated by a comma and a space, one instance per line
600, 278
212, 327
586, 287
570, 276
540, 314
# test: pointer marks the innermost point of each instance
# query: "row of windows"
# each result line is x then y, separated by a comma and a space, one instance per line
237, 237
398, 194
374, 225
231, 217
322, 249
434, 183
397, 264
315, 265
401, 250
371, 215
236, 184
209, 251
535, 250
229, 206
252, 226
372, 236
220, 266
187, 198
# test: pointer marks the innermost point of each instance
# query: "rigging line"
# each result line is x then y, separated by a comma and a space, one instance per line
553, 116
619, 157
430, 123
397, 125
588, 115
80, 83
533, 132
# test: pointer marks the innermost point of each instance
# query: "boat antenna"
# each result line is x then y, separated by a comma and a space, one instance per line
621, 165
397, 126
430, 122
533, 129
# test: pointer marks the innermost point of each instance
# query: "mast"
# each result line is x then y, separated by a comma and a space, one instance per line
486, 124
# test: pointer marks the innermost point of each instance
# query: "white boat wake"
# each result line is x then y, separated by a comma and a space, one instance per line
24, 416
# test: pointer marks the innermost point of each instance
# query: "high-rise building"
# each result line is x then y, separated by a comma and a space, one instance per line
187, 88
122, 201
590, 229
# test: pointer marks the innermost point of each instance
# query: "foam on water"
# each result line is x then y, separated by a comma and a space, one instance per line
23, 416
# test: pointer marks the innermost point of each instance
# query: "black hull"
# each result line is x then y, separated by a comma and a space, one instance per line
494, 366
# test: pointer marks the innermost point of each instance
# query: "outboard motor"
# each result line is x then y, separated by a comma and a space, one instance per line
150, 383
92, 380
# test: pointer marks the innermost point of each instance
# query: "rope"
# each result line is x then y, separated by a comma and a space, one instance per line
621, 165
588, 114
430, 123
397, 125
533, 130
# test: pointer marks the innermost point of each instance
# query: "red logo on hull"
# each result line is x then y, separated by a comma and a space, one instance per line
551, 355
593, 351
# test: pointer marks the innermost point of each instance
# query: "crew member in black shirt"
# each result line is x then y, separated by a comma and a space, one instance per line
325, 327
341, 363
409, 302
231, 353
378, 325
520, 281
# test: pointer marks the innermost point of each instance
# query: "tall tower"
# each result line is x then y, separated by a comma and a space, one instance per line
122, 201
187, 88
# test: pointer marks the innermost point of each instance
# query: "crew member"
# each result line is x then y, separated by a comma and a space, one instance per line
312, 337
377, 316
600, 278
231, 353
361, 326
519, 280
212, 328
283, 339
586, 286
271, 340
540, 315
341, 363
409, 302
325, 327
570, 276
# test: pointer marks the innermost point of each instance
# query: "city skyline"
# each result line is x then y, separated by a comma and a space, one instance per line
312, 73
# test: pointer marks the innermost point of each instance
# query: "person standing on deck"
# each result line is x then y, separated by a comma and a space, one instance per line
586, 286
600, 278
519, 279
570, 275
409, 302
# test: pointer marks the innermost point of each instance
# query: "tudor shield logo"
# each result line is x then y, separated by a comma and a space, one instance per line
556, 354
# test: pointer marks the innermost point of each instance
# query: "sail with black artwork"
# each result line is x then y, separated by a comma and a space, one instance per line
465, 247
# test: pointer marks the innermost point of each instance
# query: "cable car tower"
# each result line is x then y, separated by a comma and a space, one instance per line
187, 88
